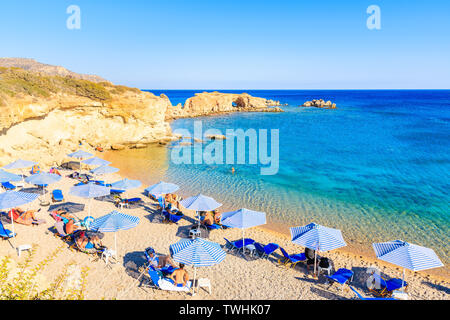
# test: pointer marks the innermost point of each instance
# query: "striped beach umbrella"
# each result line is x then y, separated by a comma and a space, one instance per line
96, 161
243, 219
8, 177
105, 169
162, 188
200, 203
407, 255
89, 191
113, 222
317, 238
197, 252
80, 155
43, 179
19, 164
126, 184
13, 199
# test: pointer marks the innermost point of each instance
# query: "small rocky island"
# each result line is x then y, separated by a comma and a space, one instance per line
320, 103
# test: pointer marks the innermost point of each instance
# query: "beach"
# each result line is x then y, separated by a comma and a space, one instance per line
235, 278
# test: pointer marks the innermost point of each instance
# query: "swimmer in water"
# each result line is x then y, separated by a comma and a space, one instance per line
232, 170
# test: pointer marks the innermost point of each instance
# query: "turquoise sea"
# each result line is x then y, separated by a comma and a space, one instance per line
377, 167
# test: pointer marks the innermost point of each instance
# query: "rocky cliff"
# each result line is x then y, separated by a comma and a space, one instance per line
209, 103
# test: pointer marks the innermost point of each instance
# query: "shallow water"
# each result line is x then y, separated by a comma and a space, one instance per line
378, 167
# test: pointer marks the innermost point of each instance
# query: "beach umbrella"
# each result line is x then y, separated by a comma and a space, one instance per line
43, 179
126, 184
105, 169
13, 199
89, 191
317, 238
407, 255
80, 154
113, 222
19, 164
162, 188
8, 177
95, 161
243, 219
200, 203
197, 252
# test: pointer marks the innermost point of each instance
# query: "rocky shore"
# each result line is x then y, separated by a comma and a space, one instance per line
319, 103
47, 113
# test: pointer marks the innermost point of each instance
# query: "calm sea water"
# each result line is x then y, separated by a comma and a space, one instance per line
378, 167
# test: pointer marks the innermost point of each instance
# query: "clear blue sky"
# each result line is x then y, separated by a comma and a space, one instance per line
245, 44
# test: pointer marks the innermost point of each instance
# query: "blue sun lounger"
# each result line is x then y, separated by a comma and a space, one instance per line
5, 233
342, 276
230, 245
362, 298
57, 195
267, 250
8, 186
162, 283
292, 259
387, 286
174, 218
213, 226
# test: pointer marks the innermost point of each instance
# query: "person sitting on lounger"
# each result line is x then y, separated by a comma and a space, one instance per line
159, 261
209, 219
310, 258
70, 226
217, 216
85, 242
180, 276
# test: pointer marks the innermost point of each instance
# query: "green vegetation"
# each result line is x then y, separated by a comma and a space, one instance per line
16, 82
21, 285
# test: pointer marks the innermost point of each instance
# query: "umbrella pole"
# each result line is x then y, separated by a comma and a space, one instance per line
115, 242
89, 207
403, 280
193, 282
315, 260
243, 242
12, 222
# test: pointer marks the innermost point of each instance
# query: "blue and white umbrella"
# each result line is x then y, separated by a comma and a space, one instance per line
105, 169
43, 179
243, 219
126, 184
200, 203
13, 199
407, 255
113, 222
197, 252
96, 161
19, 164
162, 188
89, 191
80, 154
318, 238
8, 177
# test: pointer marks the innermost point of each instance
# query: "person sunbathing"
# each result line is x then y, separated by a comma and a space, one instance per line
70, 226
180, 276
85, 242
217, 216
55, 171
23, 217
209, 219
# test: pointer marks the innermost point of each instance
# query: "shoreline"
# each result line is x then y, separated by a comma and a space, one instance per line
352, 248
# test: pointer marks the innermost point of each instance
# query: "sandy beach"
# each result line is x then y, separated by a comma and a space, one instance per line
237, 277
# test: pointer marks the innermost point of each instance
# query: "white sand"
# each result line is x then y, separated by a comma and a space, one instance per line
234, 278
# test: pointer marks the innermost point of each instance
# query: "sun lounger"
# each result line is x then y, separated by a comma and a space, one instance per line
173, 218
5, 233
240, 244
267, 250
57, 195
161, 203
165, 284
230, 245
291, 260
386, 287
8, 186
115, 191
362, 298
342, 276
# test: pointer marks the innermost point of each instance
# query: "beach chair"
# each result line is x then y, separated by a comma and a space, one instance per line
57, 195
172, 218
230, 245
342, 276
291, 260
213, 226
161, 205
387, 287
8, 186
267, 250
362, 298
5, 234
165, 284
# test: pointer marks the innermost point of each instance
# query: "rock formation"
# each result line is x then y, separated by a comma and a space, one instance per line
320, 103
208, 103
